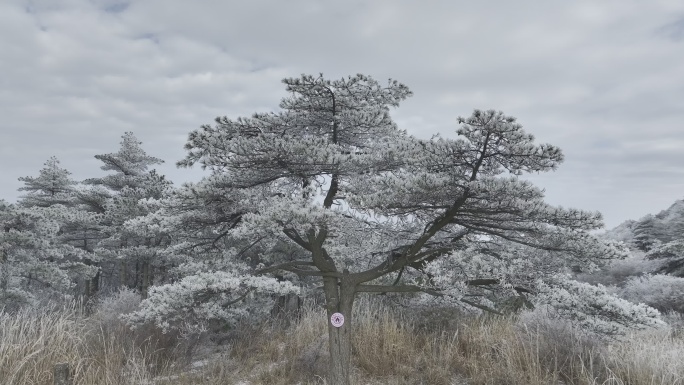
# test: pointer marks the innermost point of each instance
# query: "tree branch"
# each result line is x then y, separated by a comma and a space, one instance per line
396, 289
493, 281
294, 236
293, 268
283, 266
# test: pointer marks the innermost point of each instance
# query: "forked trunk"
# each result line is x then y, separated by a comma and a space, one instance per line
339, 299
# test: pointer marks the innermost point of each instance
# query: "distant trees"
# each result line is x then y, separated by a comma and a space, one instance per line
670, 256
654, 272
654, 230
660, 237
645, 233
63, 235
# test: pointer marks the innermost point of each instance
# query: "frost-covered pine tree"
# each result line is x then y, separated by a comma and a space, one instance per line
670, 257
130, 170
368, 208
645, 233
129, 165
671, 254
138, 251
126, 258
676, 221
52, 186
77, 228
34, 262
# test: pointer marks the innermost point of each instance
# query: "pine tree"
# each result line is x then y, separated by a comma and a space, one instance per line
52, 186
130, 165
126, 258
676, 223
34, 262
370, 209
644, 233
670, 256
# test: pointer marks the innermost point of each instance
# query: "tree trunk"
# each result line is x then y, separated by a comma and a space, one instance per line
95, 283
122, 274
4, 274
287, 308
91, 284
136, 277
339, 299
145, 281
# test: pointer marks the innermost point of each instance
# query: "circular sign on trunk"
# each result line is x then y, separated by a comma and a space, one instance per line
337, 320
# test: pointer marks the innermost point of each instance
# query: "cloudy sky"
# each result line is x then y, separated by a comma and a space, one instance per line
604, 80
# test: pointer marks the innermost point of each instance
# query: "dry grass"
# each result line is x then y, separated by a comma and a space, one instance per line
649, 358
33, 342
99, 350
389, 348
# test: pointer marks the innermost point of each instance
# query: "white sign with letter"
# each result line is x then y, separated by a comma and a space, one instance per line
337, 320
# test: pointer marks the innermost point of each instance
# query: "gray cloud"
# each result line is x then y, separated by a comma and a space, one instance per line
602, 80
673, 30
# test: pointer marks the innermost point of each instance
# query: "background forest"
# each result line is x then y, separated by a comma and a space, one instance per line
460, 273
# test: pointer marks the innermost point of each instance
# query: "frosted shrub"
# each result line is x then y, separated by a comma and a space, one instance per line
208, 296
663, 292
595, 309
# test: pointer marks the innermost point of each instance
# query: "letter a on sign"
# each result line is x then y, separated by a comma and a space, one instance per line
337, 320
